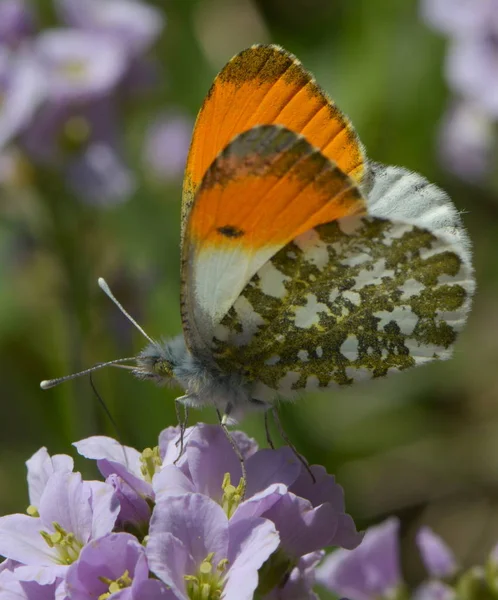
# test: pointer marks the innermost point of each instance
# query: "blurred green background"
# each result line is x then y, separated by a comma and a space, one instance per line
422, 445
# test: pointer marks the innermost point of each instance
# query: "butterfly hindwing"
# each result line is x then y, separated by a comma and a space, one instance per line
396, 192
268, 85
354, 299
268, 186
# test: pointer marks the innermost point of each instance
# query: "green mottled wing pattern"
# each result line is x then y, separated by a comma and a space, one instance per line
354, 299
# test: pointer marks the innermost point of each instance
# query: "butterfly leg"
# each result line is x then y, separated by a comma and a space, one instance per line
290, 444
182, 422
236, 449
267, 431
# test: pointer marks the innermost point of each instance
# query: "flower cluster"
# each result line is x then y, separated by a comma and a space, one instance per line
472, 72
63, 91
372, 571
167, 527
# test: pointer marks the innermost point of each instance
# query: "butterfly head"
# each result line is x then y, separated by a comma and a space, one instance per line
155, 364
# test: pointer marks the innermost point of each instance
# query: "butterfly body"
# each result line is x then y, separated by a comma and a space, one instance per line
204, 382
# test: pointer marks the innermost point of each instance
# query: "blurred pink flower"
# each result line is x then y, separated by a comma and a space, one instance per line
466, 141
78, 65
369, 571
22, 89
133, 23
167, 143
459, 17
472, 73
16, 22
437, 557
472, 68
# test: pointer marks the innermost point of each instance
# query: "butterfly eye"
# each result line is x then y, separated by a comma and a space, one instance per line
153, 365
163, 368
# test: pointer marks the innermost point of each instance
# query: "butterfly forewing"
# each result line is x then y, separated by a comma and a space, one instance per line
355, 299
267, 85
268, 186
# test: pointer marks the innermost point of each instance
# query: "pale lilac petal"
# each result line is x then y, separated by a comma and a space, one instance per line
101, 447
251, 544
210, 456
267, 467
301, 581
171, 481
10, 587
67, 501
16, 22
346, 535
134, 24
114, 458
152, 589
434, 590
22, 87
134, 510
41, 575
339, 574
302, 577
105, 508
323, 489
9, 565
20, 540
247, 445
167, 143
79, 65
142, 487
169, 445
40, 467
35, 591
437, 557
380, 547
108, 557
60, 592
13, 589
196, 520
99, 177
124, 594
168, 437
257, 505
169, 559
371, 570
302, 528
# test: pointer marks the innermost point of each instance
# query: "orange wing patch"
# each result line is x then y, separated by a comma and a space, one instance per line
268, 186
267, 85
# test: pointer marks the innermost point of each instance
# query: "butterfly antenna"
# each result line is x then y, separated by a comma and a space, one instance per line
46, 384
105, 408
109, 415
107, 290
299, 456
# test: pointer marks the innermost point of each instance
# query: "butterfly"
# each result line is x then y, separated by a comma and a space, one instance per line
304, 265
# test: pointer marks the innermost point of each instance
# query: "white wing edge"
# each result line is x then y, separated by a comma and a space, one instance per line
397, 193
